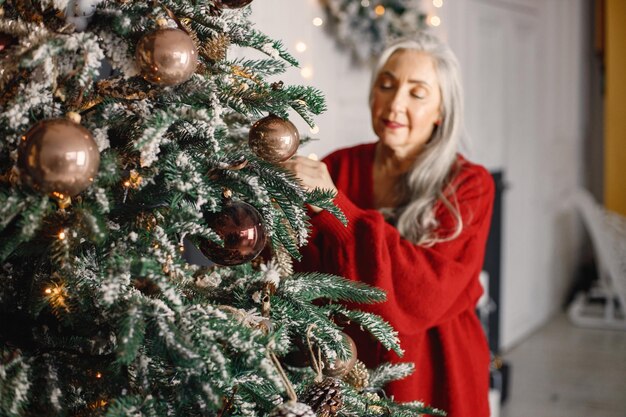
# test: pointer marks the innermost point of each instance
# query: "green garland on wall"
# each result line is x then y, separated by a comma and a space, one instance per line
365, 27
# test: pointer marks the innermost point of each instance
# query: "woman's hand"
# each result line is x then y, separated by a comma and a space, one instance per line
312, 174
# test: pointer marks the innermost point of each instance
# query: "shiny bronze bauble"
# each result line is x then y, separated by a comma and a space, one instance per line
232, 4
240, 227
58, 156
166, 56
341, 367
274, 139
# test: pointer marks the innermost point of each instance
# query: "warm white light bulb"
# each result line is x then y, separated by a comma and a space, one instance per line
306, 72
435, 21
438, 3
301, 47
365, 3
318, 21
315, 129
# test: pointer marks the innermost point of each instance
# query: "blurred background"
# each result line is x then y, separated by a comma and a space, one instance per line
545, 114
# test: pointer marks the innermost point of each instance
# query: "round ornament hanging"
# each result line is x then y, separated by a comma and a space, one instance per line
340, 367
240, 227
274, 139
58, 156
166, 57
232, 4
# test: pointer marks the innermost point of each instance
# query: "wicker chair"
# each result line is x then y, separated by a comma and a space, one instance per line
604, 305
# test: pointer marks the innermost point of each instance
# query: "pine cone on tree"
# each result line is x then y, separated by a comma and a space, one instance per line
325, 397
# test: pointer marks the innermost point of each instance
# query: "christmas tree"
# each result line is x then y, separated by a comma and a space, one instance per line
127, 139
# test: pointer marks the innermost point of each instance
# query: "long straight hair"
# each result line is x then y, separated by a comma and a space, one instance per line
428, 181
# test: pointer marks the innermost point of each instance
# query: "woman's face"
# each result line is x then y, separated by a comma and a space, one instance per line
406, 102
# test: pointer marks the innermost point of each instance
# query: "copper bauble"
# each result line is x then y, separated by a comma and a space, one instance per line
240, 227
232, 4
58, 156
274, 139
341, 367
166, 56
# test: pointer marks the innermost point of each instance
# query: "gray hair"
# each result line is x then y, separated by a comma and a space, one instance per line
432, 171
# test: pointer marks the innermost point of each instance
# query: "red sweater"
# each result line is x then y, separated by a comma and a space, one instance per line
431, 291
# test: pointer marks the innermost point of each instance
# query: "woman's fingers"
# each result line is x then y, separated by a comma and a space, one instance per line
301, 163
312, 173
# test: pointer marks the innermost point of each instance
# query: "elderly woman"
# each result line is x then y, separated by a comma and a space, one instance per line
419, 216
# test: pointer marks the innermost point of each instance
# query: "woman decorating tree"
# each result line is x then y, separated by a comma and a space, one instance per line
419, 216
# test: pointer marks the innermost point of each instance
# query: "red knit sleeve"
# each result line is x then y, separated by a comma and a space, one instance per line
425, 286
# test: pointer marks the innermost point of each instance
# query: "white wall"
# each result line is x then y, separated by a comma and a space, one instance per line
522, 63
346, 121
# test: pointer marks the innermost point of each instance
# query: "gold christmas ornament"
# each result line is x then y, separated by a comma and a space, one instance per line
166, 57
215, 49
358, 377
58, 156
274, 139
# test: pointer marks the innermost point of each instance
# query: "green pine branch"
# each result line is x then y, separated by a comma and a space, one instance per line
314, 286
374, 324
